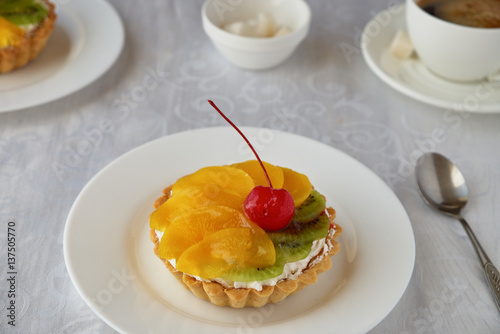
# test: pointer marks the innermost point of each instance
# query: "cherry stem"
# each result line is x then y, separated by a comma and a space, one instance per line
248, 142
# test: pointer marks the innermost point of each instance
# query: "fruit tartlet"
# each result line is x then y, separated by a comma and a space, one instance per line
25, 27
203, 234
247, 234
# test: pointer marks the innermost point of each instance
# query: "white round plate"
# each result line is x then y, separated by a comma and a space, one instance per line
111, 262
87, 39
412, 78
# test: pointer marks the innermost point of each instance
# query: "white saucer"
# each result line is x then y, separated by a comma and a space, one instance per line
413, 79
111, 262
87, 39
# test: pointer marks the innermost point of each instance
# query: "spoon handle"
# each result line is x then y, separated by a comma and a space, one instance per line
493, 281
492, 274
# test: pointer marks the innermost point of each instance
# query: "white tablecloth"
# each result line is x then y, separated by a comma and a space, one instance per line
319, 92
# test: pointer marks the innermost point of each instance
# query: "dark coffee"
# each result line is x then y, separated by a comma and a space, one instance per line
472, 13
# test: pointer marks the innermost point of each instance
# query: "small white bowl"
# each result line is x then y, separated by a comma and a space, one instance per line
253, 52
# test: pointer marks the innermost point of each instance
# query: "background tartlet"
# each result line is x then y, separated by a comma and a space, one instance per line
30, 45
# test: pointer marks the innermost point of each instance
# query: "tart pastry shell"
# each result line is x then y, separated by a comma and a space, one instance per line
13, 57
220, 295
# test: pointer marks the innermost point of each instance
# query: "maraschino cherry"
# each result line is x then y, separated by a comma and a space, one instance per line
272, 209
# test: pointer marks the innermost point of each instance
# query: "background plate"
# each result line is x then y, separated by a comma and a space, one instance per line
87, 39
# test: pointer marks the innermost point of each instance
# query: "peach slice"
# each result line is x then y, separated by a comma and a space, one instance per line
10, 34
297, 184
253, 168
187, 200
217, 179
175, 206
227, 249
193, 227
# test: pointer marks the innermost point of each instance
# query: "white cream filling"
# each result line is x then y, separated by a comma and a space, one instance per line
263, 25
290, 271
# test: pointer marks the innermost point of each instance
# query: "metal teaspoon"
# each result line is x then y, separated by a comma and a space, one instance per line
443, 187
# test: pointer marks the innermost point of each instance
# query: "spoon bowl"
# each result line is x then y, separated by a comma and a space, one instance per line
441, 183
443, 187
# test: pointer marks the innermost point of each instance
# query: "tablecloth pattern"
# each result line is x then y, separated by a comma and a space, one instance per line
325, 91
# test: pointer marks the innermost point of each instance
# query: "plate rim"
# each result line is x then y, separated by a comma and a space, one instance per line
118, 160
69, 7
400, 87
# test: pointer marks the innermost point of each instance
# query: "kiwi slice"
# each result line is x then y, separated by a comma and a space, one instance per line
312, 207
23, 12
302, 232
292, 252
289, 252
254, 274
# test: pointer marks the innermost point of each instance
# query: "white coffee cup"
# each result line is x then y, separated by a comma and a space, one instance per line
453, 51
